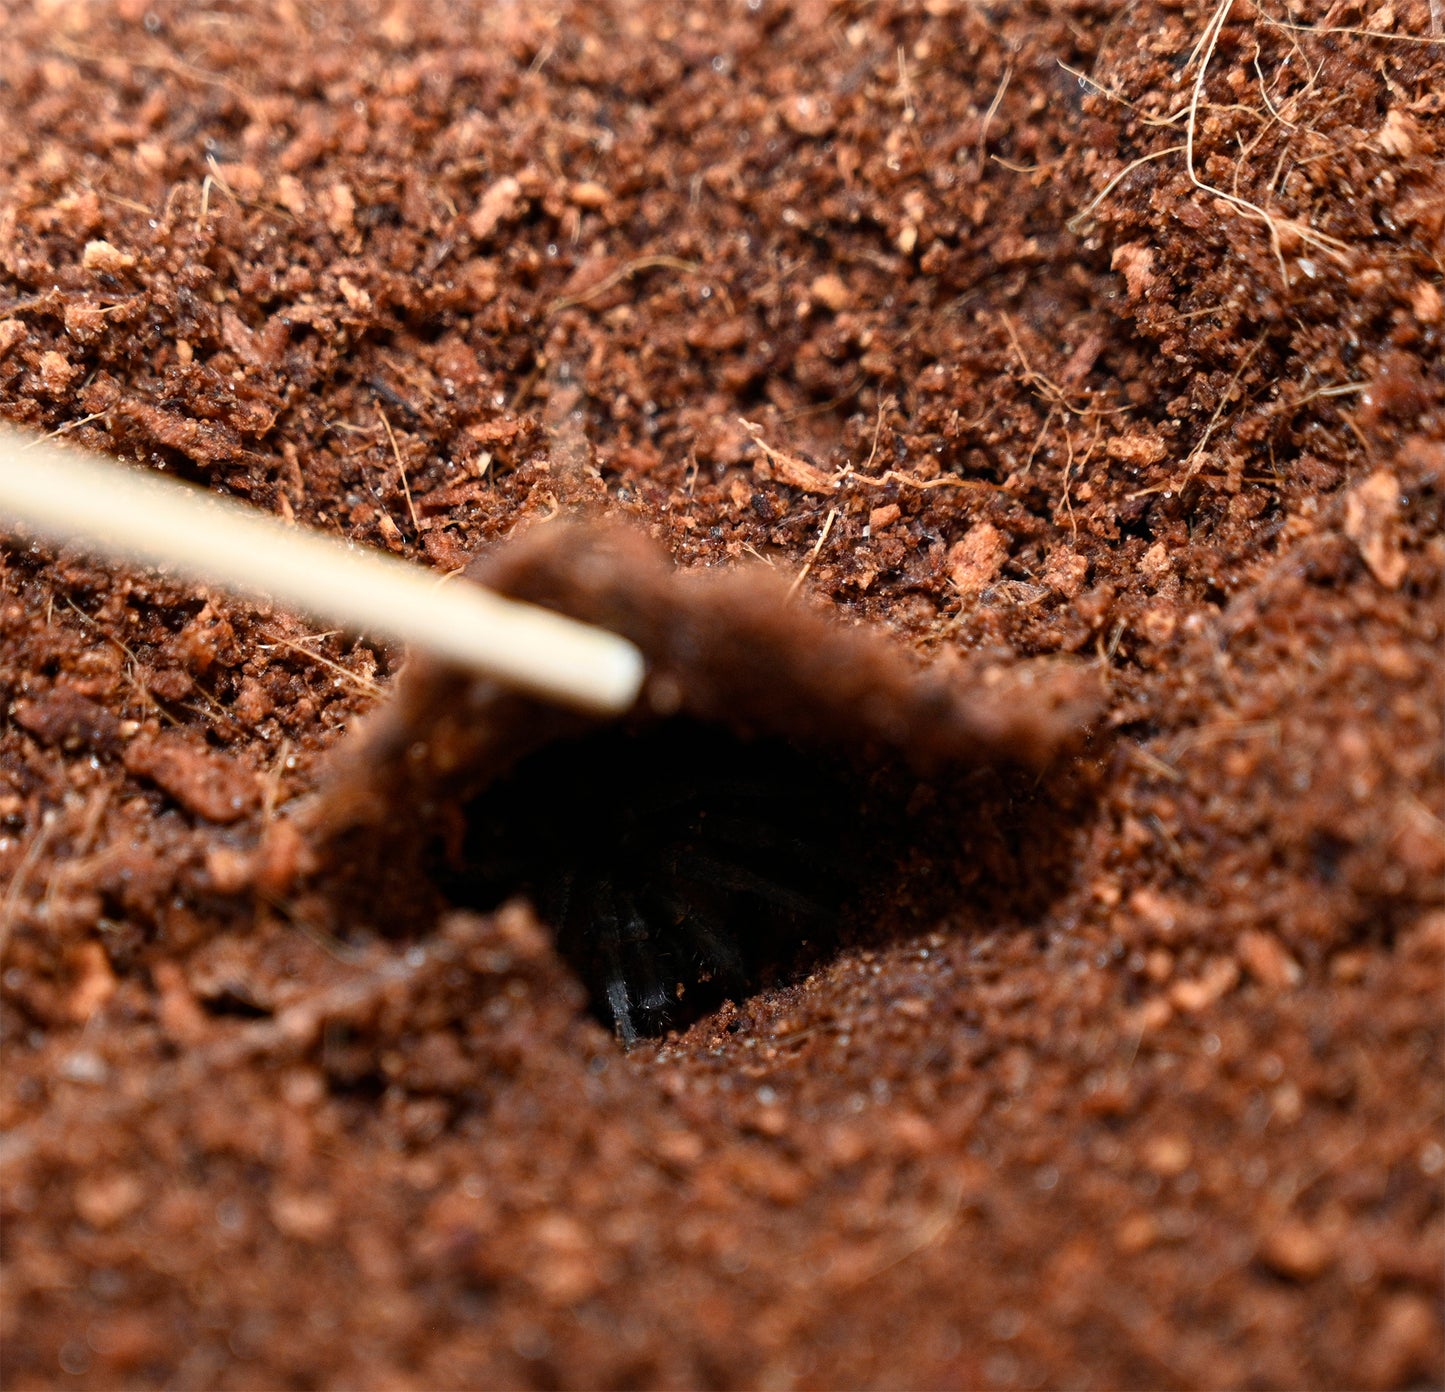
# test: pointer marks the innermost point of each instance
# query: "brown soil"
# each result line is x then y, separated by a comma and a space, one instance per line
1132, 366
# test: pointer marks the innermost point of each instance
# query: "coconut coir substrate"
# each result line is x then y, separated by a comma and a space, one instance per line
1093, 331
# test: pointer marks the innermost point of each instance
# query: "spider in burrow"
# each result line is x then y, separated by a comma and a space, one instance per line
677, 864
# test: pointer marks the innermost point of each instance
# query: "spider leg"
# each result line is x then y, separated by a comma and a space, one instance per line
715, 950
654, 998
700, 930
615, 984
709, 870
636, 990
779, 842
621, 1009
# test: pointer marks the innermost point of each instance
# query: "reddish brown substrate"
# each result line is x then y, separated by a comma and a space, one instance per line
1176, 1121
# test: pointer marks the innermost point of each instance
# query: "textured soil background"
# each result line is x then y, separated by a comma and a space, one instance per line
1104, 330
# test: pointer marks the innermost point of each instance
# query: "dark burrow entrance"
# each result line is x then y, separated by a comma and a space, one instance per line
679, 865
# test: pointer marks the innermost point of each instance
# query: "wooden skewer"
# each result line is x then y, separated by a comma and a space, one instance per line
73, 498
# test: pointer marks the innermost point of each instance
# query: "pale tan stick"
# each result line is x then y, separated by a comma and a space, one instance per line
122, 513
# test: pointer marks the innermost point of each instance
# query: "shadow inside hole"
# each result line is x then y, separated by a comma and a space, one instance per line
680, 865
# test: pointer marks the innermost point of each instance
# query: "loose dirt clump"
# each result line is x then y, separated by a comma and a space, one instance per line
1102, 333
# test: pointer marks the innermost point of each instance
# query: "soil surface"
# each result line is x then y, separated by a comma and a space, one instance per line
1101, 332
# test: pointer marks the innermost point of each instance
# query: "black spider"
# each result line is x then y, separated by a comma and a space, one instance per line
675, 863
